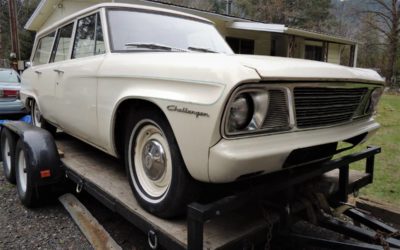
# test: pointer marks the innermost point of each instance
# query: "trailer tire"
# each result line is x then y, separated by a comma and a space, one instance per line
8, 141
26, 188
39, 121
159, 178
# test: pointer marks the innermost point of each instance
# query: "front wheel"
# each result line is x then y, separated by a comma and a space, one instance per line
156, 170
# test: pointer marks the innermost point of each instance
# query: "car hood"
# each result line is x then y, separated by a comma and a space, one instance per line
228, 70
271, 68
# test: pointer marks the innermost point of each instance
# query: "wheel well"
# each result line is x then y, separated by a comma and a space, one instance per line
122, 114
29, 101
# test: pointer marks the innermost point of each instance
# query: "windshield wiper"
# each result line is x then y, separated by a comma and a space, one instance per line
154, 46
201, 49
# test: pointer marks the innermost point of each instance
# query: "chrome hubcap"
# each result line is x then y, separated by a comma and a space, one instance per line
153, 158
152, 162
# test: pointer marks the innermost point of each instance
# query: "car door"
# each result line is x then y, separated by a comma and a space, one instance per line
76, 88
42, 77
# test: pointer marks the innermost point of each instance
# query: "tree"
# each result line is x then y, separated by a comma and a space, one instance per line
371, 44
387, 16
25, 9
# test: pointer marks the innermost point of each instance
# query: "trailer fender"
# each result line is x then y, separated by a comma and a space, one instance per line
42, 150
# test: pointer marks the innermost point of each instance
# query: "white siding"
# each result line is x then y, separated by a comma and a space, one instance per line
67, 8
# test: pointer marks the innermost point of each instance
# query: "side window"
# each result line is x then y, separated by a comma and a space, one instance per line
63, 41
88, 38
43, 49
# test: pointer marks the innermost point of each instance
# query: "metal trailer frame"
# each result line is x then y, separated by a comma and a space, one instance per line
198, 214
283, 182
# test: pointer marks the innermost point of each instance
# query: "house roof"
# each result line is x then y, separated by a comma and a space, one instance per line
46, 7
280, 28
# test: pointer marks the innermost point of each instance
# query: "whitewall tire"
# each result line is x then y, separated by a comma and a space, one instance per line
157, 173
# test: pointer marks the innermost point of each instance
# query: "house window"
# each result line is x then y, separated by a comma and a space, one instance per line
314, 53
240, 45
273, 47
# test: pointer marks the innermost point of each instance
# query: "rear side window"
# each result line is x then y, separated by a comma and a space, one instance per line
89, 37
43, 49
63, 41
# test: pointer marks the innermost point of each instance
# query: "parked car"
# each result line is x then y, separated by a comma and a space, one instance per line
163, 91
10, 85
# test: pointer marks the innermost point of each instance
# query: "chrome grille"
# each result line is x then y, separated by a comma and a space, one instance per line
317, 107
278, 112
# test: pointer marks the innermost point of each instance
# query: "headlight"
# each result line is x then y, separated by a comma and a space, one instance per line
374, 100
256, 109
240, 112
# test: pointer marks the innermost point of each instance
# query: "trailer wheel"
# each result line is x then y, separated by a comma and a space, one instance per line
156, 170
24, 176
8, 140
39, 121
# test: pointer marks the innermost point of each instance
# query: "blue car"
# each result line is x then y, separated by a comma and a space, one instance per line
10, 105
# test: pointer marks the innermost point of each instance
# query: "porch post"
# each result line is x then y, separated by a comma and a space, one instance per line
291, 46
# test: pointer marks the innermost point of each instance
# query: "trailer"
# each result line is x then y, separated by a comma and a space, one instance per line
251, 214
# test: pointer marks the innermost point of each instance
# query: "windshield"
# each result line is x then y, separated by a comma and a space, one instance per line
8, 76
145, 31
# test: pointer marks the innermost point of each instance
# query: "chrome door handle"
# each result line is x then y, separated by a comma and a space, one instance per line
58, 71
38, 72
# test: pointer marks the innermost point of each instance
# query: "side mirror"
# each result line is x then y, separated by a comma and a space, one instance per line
28, 64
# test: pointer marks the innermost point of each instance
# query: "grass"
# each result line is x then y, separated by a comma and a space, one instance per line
386, 186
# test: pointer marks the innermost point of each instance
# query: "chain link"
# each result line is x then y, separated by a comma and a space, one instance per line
270, 225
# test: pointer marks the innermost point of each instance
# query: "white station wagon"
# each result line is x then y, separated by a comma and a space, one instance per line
164, 92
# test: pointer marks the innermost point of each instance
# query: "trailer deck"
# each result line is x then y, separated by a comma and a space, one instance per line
103, 177
221, 224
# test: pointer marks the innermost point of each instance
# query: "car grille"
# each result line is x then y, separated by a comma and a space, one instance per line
317, 107
278, 112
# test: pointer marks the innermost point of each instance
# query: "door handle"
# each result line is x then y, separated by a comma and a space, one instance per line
58, 71
38, 72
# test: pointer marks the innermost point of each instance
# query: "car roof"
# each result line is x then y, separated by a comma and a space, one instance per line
121, 6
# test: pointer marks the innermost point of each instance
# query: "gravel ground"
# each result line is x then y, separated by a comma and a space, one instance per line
48, 227
51, 227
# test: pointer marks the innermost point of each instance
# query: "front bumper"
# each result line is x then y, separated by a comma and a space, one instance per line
230, 159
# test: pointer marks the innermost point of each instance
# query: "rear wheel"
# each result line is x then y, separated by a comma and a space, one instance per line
156, 170
39, 121
8, 140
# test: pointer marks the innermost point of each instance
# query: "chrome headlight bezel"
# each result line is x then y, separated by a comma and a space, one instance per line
372, 105
259, 95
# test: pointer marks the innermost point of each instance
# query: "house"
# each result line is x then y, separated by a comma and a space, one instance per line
244, 36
